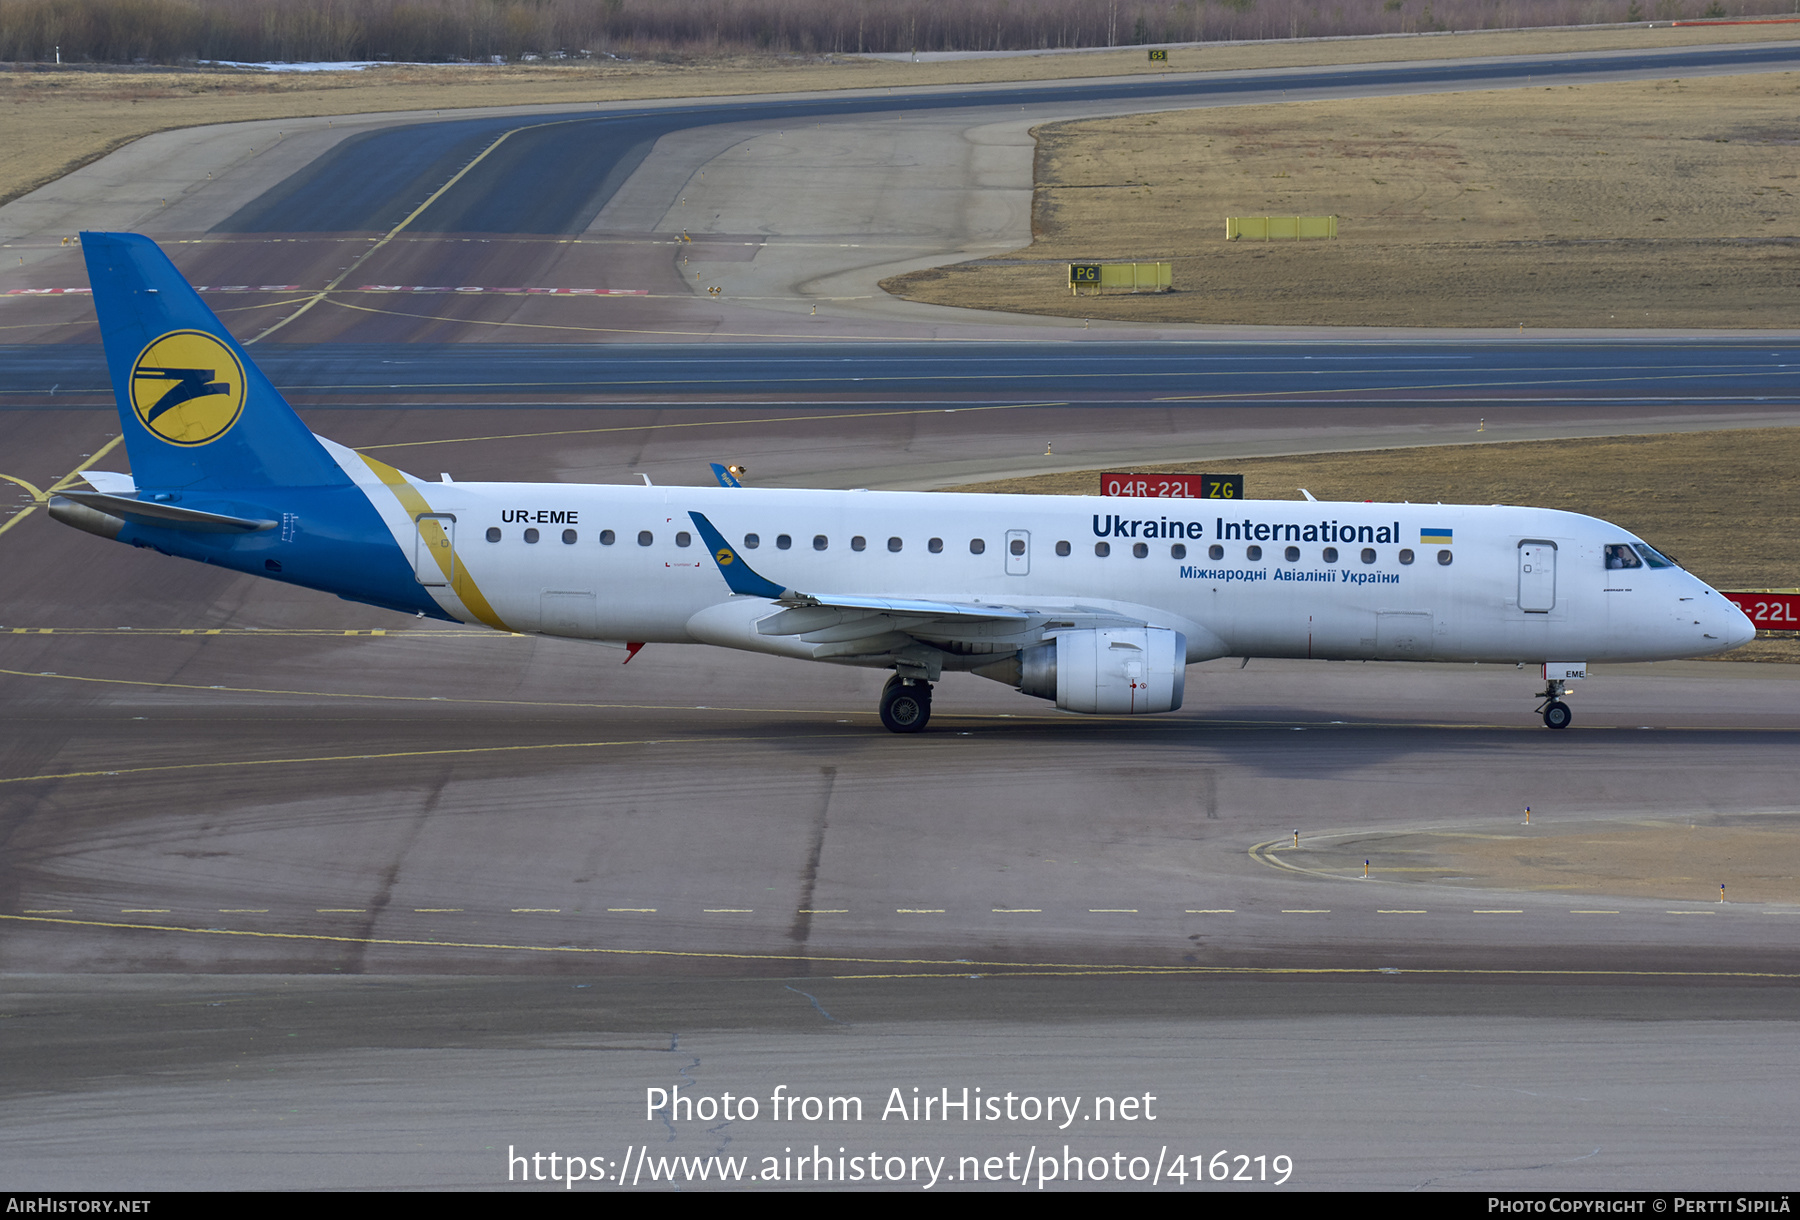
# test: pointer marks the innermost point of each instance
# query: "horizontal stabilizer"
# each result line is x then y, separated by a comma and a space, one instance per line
167, 516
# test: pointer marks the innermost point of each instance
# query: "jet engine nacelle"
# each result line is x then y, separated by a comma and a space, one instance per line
1112, 671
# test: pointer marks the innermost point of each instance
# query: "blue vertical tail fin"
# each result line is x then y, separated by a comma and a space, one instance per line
196, 413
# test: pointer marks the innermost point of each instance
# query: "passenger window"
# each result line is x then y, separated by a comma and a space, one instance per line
858, 543
1141, 550
607, 537
1063, 548
1215, 552
1368, 554
493, 534
682, 539
1103, 549
531, 535
645, 538
1329, 555
1253, 553
894, 544
783, 542
751, 542
935, 546
1292, 554
976, 546
1444, 558
1620, 556
1016, 546
820, 542
569, 536
1178, 551
1406, 556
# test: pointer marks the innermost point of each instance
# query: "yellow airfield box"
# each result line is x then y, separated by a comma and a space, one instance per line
1279, 228
1120, 277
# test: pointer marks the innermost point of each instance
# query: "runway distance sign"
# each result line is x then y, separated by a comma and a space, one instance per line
1770, 611
1174, 486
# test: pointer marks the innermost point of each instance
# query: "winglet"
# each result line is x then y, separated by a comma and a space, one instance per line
732, 567
724, 475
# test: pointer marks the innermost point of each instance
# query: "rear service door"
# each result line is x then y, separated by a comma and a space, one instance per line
434, 550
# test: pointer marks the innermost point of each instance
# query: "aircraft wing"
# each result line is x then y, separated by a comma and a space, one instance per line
741, 578
870, 630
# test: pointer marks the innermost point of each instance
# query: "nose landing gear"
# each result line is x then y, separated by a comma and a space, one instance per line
1556, 713
905, 704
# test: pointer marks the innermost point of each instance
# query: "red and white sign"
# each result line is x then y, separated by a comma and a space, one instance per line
1770, 611
1174, 486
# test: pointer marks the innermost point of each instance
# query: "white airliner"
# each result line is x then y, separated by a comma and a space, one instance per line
1099, 604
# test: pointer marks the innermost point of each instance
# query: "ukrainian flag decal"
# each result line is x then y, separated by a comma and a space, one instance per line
187, 387
1434, 537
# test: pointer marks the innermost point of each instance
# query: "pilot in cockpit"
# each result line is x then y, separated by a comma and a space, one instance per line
1619, 556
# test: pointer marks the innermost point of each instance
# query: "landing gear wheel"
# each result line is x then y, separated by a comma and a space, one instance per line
905, 706
1557, 715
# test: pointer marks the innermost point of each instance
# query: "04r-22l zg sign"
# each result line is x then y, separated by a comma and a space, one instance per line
1174, 486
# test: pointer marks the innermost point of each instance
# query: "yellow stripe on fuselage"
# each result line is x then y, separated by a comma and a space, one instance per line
456, 573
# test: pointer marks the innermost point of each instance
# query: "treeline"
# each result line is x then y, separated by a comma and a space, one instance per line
179, 31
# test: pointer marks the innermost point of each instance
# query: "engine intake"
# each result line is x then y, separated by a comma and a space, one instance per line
1111, 671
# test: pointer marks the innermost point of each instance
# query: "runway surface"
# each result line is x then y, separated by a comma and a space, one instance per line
742, 219
296, 893
1743, 372
911, 416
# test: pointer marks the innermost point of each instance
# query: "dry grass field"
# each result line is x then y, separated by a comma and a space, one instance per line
1665, 204
1720, 502
57, 119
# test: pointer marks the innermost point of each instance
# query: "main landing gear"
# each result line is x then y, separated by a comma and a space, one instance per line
905, 704
1556, 713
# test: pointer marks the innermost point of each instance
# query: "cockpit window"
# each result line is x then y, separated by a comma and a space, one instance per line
1655, 558
1620, 555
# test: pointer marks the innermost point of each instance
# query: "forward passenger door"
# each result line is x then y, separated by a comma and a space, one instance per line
1537, 576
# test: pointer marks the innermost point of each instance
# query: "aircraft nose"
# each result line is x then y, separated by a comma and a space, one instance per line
1739, 630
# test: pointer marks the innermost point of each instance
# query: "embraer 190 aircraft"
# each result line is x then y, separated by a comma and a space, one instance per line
1099, 604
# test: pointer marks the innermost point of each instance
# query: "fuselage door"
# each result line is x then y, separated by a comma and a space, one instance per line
1018, 552
1403, 635
434, 549
1537, 576
566, 612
